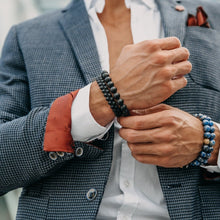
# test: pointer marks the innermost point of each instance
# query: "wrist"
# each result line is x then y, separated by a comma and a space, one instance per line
99, 107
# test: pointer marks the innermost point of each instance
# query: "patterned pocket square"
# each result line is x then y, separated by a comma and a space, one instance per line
199, 20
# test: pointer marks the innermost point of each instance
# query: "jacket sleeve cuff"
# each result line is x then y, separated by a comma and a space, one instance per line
58, 127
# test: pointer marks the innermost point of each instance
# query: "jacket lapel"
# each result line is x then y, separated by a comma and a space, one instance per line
174, 22
76, 25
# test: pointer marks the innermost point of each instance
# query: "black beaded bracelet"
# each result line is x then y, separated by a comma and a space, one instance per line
208, 142
107, 79
112, 96
109, 97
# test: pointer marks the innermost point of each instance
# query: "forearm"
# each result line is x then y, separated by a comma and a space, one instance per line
99, 107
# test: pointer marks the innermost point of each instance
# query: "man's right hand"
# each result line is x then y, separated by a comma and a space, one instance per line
149, 72
145, 75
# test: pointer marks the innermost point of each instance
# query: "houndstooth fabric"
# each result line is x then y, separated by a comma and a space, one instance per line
52, 55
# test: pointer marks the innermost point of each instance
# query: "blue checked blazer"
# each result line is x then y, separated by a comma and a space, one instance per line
52, 55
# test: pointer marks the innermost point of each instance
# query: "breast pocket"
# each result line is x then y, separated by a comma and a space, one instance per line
204, 47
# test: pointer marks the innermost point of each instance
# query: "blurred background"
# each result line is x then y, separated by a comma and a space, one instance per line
13, 12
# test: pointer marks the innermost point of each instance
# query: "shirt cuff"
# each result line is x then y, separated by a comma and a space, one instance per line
84, 128
213, 169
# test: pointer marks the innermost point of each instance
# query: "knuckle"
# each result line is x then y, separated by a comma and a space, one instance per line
184, 82
131, 136
152, 45
164, 106
138, 124
171, 118
188, 66
168, 71
160, 58
176, 41
167, 151
168, 87
170, 137
166, 137
186, 51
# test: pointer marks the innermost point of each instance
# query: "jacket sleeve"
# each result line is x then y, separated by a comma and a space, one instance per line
22, 129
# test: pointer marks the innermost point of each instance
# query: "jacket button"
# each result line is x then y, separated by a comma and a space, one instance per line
91, 194
60, 154
53, 155
105, 137
79, 151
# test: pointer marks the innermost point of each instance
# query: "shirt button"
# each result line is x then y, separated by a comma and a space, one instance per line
91, 194
60, 154
79, 151
53, 155
126, 183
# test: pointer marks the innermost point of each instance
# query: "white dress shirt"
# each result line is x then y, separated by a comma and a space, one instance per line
133, 190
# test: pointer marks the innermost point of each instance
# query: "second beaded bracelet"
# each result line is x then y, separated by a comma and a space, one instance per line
208, 142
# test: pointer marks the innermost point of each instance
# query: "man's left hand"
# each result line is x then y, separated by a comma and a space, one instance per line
163, 136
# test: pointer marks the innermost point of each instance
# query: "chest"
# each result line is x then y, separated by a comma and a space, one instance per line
117, 41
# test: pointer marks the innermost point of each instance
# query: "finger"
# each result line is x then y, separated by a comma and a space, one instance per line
137, 136
160, 135
166, 161
169, 43
154, 109
178, 55
141, 122
182, 69
178, 83
148, 159
151, 149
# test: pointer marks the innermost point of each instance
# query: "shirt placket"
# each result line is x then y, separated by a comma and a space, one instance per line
126, 182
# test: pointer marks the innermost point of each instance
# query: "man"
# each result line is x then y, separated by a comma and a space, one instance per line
57, 138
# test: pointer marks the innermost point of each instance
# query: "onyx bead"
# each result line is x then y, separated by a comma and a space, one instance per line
120, 102
113, 90
110, 84
116, 96
107, 79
